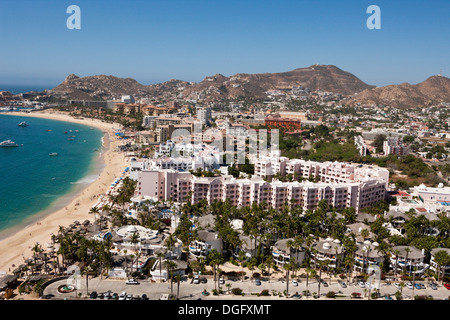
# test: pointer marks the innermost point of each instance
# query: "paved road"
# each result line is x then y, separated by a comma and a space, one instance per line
188, 290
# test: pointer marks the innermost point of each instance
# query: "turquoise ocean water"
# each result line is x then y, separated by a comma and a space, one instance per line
33, 182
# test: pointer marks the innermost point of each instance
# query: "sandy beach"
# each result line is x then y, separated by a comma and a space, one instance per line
16, 247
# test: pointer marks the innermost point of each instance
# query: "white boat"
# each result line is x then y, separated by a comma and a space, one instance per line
23, 124
53, 154
8, 143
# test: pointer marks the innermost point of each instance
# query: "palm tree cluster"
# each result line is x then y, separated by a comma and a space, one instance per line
265, 225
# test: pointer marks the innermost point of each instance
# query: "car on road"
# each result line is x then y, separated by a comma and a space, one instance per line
447, 286
132, 281
196, 280
433, 286
93, 295
295, 283
409, 285
123, 296
258, 282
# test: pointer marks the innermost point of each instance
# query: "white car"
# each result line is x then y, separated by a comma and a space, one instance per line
361, 284
294, 283
368, 285
196, 280
122, 296
409, 285
397, 285
131, 281
222, 281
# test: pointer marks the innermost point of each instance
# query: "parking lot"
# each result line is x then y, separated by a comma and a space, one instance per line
190, 290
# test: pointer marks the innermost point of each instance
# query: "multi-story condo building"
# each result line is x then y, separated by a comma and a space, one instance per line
204, 115
408, 258
282, 253
431, 195
328, 250
207, 240
173, 185
394, 145
361, 146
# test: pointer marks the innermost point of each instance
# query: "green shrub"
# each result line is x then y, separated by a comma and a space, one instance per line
236, 291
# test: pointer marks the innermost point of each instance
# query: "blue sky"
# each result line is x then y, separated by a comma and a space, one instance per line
154, 41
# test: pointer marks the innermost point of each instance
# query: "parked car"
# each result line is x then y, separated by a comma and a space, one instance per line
447, 286
108, 295
203, 280
368, 285
115, 296
101, 296
144, 297
222, 280
325, 284
47, 296
397, 285
136, 297
196, 280
343, 284
294, 283
361, 284
129, 297
123, 296
409, 285
418, 286
258, 282
131, 281
422, 286
433, 286
93, 295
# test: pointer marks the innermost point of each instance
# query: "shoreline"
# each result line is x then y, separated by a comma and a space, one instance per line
16, 242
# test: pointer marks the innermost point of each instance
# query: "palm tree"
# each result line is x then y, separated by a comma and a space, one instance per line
442, 259
178, 280
215, 259
94, 210
160, 256
287, 267
171, 265
242, 258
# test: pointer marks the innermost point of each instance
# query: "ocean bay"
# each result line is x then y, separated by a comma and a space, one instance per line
32, 181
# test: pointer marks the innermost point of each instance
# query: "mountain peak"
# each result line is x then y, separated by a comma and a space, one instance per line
71, 77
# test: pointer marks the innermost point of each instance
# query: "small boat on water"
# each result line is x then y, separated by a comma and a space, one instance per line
23, 124
53, 154
48, 130
65, 132
8, 143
